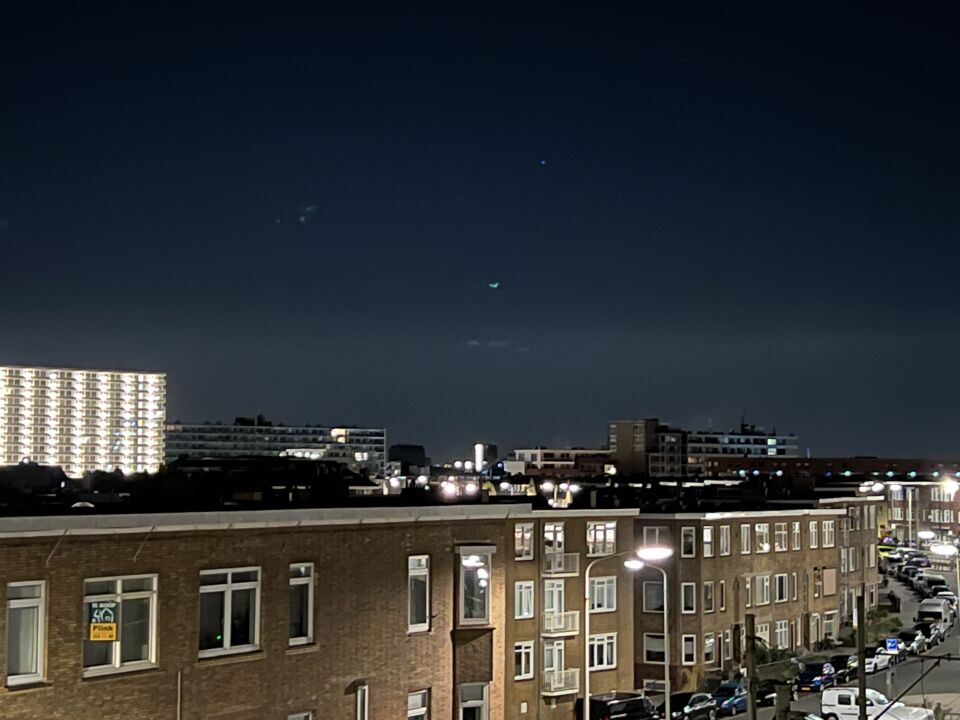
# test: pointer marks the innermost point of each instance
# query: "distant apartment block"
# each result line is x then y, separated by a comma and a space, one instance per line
541, 458
82, 420
358, 448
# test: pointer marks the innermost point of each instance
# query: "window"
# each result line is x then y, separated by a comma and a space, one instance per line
603, 651
523, 541
654, 535
763, 590
727, 645
708, 596
761, 537
418, 705
689, 645
782, 637
723, 595
652, 596
363, 702
474, 586
744, 539
602, 538
523, 599
653, 651
688, 598
780, 537
795, 532
814, 540
523, 661
763, 632
301, 603
121, 631
898, 513
553, 538
782, 588
688, 542
603, 594
793, 583
830, 624
708, 541
301, 716
25, 632
829, 586
747, 594
817, 582
724, 539
709, 649
843, 560
828, 533
473, 701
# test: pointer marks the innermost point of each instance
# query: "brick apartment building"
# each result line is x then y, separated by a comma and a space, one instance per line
780, 565
464, 612
932, 505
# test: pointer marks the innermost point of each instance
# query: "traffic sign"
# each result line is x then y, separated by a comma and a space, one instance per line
892, 645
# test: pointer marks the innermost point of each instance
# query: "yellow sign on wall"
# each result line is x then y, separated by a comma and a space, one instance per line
103, 632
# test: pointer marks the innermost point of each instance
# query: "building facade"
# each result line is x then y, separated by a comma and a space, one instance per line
859, 526
358, 448
923, 505
82, 420
558, 459
472, 612
780, 565
745, 442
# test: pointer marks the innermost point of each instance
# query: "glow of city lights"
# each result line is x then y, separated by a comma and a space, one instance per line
421, 479
468, 466
449, 489
471, 488
951, 486
573, 487
547, 486
458, 464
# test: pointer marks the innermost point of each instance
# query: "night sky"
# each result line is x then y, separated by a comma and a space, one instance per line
692, 211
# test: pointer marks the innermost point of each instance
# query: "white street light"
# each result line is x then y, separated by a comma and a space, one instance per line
926, 535
950, 486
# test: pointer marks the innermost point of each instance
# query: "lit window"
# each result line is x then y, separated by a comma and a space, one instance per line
523, 541
688, 597
601, 538
603, 651
653, 648
689, 646
474, 586
229, 611
523, 599
418, 582
25, 632
780, 537
473, 701
762, 537
523, 661
301, 603
603, 594
120, 616
418, 705
688, 542
708, 541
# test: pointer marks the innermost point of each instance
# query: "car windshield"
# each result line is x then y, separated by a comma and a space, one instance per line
813, 668
871, 652
725, 691
680, 698
876, 698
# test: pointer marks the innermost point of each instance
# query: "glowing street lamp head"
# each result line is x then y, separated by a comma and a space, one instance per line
633, 564
547, 486
944, 549
877, 487
654, 553
895, 487
926, 535
951, 486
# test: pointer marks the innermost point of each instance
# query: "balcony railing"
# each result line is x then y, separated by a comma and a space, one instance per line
561, 623
561, 563
561, 682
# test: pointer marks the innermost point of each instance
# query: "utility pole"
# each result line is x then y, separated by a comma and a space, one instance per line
861, 658
749, 652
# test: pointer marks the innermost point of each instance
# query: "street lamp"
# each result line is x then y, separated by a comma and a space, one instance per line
639, 560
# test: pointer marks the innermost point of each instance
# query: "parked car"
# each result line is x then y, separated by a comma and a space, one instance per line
690, 706
907, 572
950, 597
932, 631
917, 580
816, 676
921, 560
932, 584
841, 704
876, 661
845, 671
936, 611
915, 641
731, 698
621, 705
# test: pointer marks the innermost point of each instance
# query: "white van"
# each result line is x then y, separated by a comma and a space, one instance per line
840, 703
934, 610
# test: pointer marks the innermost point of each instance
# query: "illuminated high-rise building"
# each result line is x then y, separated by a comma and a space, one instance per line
82, 420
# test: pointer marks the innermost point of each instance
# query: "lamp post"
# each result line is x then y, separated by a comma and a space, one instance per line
641, 556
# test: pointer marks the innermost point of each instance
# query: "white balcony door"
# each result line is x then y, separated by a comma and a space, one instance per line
553, 542
553, 658
553, 596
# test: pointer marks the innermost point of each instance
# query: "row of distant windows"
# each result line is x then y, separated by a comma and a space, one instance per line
786, 536
601, 538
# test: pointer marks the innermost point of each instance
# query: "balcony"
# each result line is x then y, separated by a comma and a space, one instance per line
561, 682
561, 623
555, 564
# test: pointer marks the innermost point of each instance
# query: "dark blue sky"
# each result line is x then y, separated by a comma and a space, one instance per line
742, 207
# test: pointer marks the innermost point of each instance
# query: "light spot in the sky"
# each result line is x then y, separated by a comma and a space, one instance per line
542, 163
493, 285
473, 343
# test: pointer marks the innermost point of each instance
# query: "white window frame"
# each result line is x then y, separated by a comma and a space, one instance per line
420, 713
761, 538
691, 658
724, 540
786, 588
727, 645
763, 632
485, 554
781, 532
118, 596
708, 539
659, 583
608, 641
684, 588
524, 598
654, 535
599, 540
363, 701
301, 716
763, 590
525, 651
748, 591
781, 628
713, 596
308, 581
745, 541
483, 703
39, 638
722, 595
710, 638
691, 531
796, 536
524, 541
603, 588
794, 590
814, 535
829, 534
227, 590
663, 650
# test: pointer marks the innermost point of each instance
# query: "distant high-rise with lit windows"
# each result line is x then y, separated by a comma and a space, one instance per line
82, 420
